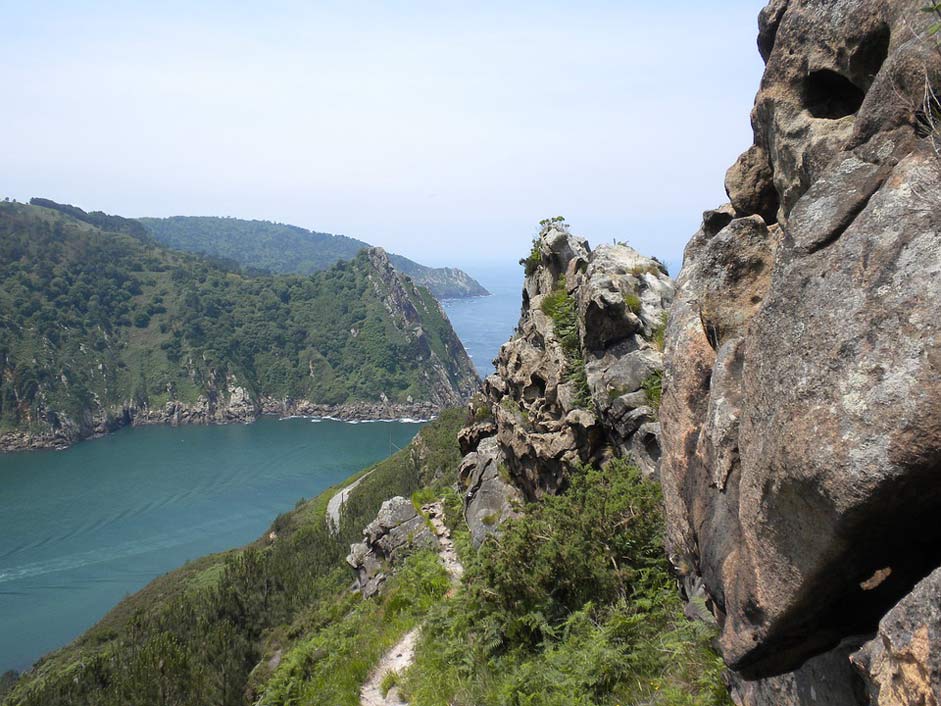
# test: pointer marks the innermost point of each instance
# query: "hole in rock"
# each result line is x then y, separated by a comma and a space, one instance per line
652, 447
880, 550
831, 96
870, 56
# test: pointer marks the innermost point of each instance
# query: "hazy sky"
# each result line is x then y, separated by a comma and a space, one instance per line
440, 130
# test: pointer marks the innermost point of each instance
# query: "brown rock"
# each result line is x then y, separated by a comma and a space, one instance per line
801, 418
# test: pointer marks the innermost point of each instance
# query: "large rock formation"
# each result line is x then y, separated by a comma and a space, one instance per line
579, 381
801, 418
397, 531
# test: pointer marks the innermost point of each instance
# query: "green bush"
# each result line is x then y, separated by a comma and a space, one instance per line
573, 604
532, 261
633, 303
653, 388
561, 307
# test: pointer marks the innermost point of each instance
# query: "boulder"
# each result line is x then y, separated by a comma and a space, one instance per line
902, 663
801, 416
397, 531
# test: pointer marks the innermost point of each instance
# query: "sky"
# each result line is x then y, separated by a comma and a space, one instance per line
443, 131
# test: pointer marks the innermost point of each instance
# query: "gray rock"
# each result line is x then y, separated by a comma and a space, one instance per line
826, 680
491, 498
542, 421
397, 531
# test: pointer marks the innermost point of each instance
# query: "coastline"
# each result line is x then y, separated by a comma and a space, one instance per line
236, 412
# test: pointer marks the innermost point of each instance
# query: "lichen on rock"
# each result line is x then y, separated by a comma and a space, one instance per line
801, 413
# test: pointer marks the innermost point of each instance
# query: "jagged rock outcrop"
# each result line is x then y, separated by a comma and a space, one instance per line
801, 417
579, 381
903, 662
397, 530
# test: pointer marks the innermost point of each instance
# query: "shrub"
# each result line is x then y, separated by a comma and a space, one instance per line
573, 604
532, 261
560, 306
653, 388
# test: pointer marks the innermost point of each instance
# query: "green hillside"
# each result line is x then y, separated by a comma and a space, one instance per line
575, 605
99, 327
281, 248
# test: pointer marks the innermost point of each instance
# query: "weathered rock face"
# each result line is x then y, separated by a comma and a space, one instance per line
397, 530
578, 382
801, 418
903, 662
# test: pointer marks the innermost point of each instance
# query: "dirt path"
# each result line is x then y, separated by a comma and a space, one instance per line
336, 503
396, 660
435, 513
401, 656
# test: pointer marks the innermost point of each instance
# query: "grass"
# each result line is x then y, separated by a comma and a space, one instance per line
653, 388
330, 666
659, 333
633, 303
389, 680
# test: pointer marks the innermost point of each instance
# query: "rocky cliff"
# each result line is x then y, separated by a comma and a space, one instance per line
801, 415
579, 382
100, 329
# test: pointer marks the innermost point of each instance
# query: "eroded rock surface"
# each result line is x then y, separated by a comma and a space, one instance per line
397, 531
903, 662
801, 418
578, 382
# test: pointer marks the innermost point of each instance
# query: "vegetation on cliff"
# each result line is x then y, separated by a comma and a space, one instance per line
94, 322
215, 630
573, 603
288, 249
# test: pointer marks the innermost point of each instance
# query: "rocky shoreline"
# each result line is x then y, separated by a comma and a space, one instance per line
237, 411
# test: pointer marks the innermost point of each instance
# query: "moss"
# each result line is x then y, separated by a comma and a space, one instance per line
490, 519
633, 303
653, 388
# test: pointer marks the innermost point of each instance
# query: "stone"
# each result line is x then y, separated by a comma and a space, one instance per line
397, 531
902, 663
800, 424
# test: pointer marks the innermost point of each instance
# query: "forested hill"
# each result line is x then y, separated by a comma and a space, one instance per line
100, 328
281, 248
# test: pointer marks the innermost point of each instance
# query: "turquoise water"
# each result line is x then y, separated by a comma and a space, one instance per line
82, 528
